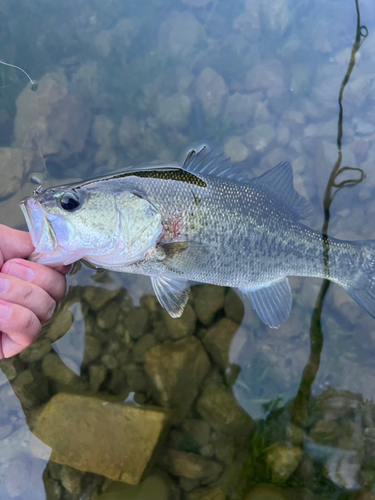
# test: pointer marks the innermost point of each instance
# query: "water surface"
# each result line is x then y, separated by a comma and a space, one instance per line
289, 412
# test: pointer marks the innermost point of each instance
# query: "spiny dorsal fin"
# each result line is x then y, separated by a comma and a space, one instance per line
279, 181
210, 163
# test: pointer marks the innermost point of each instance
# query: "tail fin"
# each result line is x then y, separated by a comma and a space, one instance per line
362, 289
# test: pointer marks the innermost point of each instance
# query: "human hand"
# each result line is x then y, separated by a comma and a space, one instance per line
28, 292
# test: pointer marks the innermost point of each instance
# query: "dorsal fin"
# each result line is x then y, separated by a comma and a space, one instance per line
279, 181
211, 163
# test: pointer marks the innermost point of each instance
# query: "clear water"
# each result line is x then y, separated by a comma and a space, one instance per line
124, 83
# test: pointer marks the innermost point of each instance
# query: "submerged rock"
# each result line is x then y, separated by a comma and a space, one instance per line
235, 149
198, 429
240, 108
283, 460
190, 465
36, 351
12, 171
266, 492
207, 494
269, 76
57, 371
218, 339
61, 125
208, 300
260, 137
343, 468
234, 307
97, 374
176, 370
156, 486
136, 321
98, 297
211, 90
31, 388
174, 111
218, 406
183, 326
108, 438
180, 32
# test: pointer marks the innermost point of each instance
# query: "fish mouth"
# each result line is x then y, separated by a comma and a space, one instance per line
41, 231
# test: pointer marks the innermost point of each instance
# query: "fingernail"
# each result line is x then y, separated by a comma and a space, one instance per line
5, 311
4, 285
22, 272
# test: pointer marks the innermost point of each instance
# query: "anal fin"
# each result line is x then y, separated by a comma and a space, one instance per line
272, 301
172, 293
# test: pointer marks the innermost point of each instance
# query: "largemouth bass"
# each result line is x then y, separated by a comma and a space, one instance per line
204, 222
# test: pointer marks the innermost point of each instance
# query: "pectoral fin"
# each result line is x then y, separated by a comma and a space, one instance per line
172, 293
272, 302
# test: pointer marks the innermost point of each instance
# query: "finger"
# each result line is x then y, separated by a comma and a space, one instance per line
49, 279
26, 294
8, 347
21, 324
14, 243
64, 270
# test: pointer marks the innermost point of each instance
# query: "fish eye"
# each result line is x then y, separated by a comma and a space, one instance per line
70, 201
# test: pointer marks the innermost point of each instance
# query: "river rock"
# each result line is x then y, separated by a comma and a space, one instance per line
198, 429
156, 486
233, 307
266, 492
107, 316
211, 89
180, 32
92, 349
31, 388
57, 371
125, 436
260, 137
12, 171
218, 339
97, 375
208, 300
60, 325
102, 130
343, 468
174, 111
136, 321
235, 149
190, 465
283, 460
268, 76
218, 406
240, 108
326, 432
183, 326
36, 351
61, 125
71, 479
143, 345
176, 370
98, 297
207, 494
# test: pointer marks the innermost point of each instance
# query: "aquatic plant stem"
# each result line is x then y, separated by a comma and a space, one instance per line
299, 408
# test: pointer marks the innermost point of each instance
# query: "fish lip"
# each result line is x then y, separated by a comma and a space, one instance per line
25, 207
37, 224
